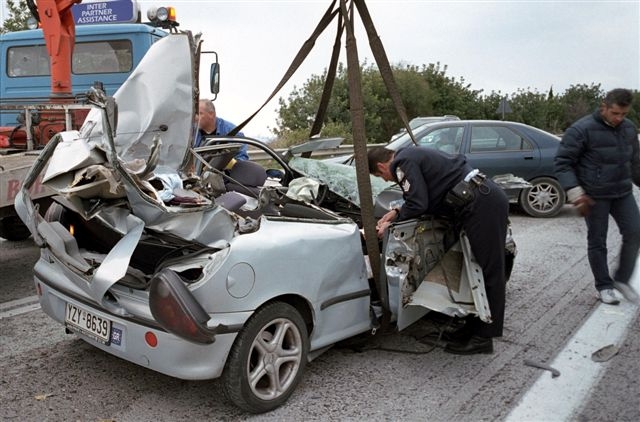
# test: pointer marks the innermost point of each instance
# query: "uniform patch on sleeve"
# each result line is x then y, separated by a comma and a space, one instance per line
404, 183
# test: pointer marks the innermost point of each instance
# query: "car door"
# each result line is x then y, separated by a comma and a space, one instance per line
499, 149
429, 267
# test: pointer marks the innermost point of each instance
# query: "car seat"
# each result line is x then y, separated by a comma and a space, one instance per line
246, 177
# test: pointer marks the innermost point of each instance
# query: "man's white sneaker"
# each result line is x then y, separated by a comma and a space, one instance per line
608, 296
627, 291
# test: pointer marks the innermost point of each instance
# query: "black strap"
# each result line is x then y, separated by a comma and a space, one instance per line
383, 64
297, 61
328, 84
362, 166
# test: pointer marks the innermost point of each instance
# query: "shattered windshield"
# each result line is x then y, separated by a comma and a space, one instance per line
339, 178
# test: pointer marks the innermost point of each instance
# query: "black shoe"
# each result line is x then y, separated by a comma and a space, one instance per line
461, 335
474, 345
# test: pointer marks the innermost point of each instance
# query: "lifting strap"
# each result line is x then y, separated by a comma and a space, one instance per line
357, 115
362, 165
321, 115
297, 61
383, 64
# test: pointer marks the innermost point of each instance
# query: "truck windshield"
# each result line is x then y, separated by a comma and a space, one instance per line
114, 56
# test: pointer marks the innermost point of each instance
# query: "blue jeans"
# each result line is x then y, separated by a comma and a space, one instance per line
626, 215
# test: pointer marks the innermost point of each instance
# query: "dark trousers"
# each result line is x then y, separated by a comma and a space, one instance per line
485, 223
626, 215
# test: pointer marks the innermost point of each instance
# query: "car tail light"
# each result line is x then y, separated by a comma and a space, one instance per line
175, 308
151, 339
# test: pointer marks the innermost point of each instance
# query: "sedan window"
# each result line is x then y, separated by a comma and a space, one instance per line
447, 139
497, 138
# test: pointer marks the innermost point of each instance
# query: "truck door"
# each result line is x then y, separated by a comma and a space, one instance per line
429, 267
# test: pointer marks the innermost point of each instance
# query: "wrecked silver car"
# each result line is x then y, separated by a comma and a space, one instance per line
232, 271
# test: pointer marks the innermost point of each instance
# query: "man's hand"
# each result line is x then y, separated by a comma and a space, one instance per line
385, 221
583, 203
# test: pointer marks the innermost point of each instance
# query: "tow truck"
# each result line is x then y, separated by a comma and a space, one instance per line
45, 73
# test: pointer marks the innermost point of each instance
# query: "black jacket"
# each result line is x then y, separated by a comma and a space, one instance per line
425, 176
603, 160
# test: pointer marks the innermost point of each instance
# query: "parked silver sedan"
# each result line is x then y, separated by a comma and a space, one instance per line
226, 273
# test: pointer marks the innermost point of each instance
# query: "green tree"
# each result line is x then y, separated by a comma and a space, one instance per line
425, 90
529, 107
634, 113
578, 101
451, 95
554, 113
18, 15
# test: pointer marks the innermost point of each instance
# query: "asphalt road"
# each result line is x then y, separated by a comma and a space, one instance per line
49, 375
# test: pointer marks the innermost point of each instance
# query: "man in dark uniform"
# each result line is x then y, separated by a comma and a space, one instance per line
426, 176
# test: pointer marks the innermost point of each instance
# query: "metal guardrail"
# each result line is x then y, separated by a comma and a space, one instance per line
347, 149
258, 155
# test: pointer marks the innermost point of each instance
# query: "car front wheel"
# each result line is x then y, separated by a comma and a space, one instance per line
544, 199
267, 359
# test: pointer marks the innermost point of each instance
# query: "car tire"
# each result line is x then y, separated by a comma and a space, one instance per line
13, 229
267, 359
544, 199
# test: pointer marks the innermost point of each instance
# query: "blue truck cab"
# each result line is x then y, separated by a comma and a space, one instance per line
102, 52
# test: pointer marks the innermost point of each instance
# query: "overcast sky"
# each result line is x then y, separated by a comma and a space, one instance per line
495, 45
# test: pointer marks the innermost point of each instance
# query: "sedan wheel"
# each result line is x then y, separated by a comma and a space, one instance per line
544, 199
267, 359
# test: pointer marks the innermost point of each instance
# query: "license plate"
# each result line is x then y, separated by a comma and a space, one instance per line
94, 326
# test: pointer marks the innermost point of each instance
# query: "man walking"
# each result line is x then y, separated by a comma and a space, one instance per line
597, 163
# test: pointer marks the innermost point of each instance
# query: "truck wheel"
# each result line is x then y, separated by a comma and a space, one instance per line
544, 199
12, 228
267, 359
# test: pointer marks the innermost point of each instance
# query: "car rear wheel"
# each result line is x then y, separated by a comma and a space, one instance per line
267, 359
544, 199
13, 229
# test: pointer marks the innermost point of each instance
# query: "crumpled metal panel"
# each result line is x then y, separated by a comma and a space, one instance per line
509, 181
71, 153
340, 178
154, 132
157, 99
421, 275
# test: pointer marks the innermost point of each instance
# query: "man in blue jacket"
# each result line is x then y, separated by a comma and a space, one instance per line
597, 163
210, 124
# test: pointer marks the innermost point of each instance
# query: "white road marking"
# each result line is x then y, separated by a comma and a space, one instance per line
559, 398
19, 306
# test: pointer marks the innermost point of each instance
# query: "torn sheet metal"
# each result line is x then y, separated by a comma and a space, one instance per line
157, 99
115, 264
71, 153
509, 181
428, 277
155, 124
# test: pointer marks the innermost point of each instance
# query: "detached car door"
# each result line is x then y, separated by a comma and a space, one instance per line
429, 267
